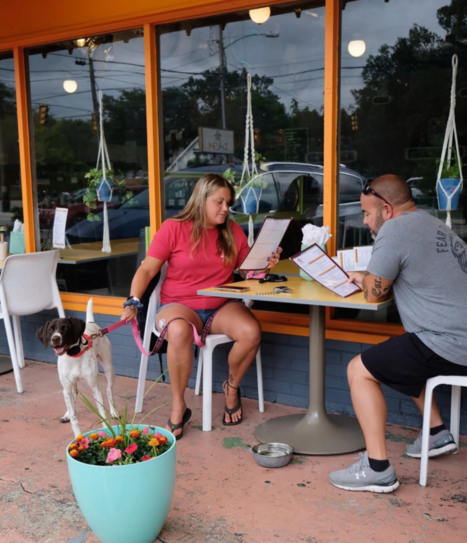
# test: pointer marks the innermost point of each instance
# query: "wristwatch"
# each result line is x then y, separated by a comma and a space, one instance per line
133, 300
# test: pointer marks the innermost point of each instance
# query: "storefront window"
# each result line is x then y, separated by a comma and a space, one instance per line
11, 206
395, 97
204, 68
65, 81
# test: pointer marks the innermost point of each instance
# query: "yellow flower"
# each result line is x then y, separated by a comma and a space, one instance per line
74, 453
119, 439
134, 434
154, 442
80, 437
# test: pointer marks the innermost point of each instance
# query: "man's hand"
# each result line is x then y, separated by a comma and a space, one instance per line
376, 289
357, 278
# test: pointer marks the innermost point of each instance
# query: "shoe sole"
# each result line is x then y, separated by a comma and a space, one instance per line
432, 453
370, 488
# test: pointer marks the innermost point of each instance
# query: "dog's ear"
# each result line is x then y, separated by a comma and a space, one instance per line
78, 326
44, 334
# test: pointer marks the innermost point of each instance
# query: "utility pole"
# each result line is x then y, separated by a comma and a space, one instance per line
92, 78
221, 74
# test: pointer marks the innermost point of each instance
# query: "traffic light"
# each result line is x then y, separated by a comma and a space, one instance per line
354, 120
257, 135
93, 122
43, 114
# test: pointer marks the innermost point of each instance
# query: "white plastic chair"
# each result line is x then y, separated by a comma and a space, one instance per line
456, 382
27, 285
204, 360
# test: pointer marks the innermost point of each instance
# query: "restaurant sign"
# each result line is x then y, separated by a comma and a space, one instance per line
214, 140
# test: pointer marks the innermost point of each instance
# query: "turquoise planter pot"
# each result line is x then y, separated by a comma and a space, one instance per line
124, 504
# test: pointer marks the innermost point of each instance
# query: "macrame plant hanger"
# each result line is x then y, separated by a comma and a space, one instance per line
103, 158
249, 148
451, 134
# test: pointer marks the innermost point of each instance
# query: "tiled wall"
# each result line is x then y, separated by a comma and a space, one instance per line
285, 369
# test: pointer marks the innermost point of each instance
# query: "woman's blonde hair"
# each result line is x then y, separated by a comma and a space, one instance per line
195, 211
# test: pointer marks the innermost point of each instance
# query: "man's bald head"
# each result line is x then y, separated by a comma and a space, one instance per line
393, 189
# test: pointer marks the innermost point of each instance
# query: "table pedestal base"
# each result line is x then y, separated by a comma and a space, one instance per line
326, 434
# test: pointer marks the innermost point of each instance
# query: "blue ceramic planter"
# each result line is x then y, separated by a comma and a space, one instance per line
250, 201
104, 190
450, 186
124, 504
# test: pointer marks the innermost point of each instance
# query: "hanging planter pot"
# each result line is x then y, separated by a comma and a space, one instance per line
250, 200
105, 189
448, 191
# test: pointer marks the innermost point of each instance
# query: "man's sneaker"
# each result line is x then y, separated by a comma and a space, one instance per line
360, 477
442, 443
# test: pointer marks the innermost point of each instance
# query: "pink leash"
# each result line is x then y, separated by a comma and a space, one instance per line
199, 340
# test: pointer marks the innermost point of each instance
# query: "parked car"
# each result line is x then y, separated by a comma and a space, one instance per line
287, 190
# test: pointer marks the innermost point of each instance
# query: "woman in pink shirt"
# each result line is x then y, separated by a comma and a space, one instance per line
202, 247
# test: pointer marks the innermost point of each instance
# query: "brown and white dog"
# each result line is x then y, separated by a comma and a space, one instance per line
78, 360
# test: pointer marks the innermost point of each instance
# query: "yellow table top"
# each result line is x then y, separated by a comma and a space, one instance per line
88, 252
303, 292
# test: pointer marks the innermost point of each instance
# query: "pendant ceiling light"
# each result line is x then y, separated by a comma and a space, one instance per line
260, 15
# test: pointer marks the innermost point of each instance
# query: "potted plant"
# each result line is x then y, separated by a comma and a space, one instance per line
123, 478
449, 186
249, 187
100, 189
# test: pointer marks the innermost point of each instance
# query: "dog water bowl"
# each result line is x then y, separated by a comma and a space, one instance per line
272, 455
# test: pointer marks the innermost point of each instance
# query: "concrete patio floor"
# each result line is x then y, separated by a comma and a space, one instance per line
221, 495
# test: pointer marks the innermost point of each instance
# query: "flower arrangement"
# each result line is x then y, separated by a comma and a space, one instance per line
132, 446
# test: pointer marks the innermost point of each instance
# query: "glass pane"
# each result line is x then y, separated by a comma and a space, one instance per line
11, 203
65, 81
204, 66
395, 97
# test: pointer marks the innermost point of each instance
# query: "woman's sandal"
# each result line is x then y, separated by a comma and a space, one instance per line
185, 419
234, 409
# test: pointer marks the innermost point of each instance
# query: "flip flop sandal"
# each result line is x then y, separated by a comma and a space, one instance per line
185, 419
234, 409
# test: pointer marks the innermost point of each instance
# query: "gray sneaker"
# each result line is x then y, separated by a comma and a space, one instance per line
442, 443
360, 477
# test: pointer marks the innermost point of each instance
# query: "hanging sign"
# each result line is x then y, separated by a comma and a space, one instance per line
214, 140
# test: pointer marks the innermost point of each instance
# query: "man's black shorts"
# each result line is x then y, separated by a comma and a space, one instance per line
405, 363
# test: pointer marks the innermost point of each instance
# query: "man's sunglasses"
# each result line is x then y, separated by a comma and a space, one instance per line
368, 190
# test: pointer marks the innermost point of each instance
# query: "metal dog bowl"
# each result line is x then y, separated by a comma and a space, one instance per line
272, 455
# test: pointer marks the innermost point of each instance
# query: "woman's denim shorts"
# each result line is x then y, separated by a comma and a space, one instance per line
204, 314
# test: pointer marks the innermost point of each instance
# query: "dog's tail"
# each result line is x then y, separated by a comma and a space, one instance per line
90, 311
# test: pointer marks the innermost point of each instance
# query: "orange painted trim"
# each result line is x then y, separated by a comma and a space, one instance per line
153, 115
24, 149
331, 118
182, 13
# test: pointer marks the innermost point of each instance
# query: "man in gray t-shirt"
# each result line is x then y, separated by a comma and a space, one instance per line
424, 263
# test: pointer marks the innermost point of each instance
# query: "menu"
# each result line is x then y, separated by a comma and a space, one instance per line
268, 240
316, 263
356, 259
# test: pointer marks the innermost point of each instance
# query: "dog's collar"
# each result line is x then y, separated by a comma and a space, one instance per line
78, 350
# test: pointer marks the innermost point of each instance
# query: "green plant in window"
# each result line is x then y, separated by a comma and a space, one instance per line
94, 177
451, 168
239, 184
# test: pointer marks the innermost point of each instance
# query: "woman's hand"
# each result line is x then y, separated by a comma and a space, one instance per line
274, 259
128, 313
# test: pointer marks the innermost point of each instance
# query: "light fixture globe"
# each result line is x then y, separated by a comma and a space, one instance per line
260, 15
81, 42
357, 48
70, 85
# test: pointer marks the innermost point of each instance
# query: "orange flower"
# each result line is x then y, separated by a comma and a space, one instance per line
80, 448
80, 437
74, 453
108, 443
72, 446
119, 439
134, 434
93, 436
163, 440
154, 442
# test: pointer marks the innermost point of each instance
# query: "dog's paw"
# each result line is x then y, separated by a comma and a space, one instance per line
65, 418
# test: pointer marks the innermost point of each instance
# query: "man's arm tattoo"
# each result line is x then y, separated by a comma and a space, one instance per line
376, 290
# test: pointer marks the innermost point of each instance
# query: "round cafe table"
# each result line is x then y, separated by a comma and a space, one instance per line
316, 432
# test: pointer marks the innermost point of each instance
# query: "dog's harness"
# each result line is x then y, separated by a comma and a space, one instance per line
200, 340
81, 348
